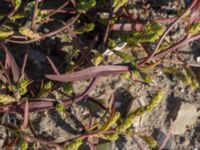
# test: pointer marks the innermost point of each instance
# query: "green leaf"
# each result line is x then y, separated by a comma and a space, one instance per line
149, 140
86, 28
112, 44
45, 89
124, 56
23, 144
141, 74
195, 28
29, 11
84, 5
97, 59
40, 15
5, 32
6, 99
16, 3
22, 87
110, 121
152, 32
192, 77
60, 107
146, 77
126, 75
185, 74
71, 54
29, 33
118, 3
111, 136
67, 88
74, 145
19, 15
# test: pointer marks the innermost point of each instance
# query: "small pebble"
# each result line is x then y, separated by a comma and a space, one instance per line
187, 116
198, 59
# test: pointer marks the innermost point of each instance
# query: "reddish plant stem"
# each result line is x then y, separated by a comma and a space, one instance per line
169, 133
52, 65
69, 23
86, 135
127, 27
78, 43
166, 32
43, 104
162, 53
89, 73
47, 143
10, 14
46, 104
26, 115
34, 14
10, 63
107, 31
55, 11
66, 11
8, 80
137, 26
25, 62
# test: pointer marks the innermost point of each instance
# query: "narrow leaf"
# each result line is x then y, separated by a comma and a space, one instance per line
118, 3
10, 63
111, 121
89, 73
86, 28
16, 3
